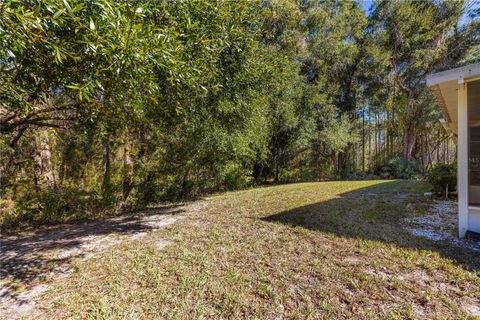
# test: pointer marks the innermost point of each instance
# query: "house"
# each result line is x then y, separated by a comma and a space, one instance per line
458, 95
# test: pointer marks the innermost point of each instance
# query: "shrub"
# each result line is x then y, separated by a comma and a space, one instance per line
403, 168
236, 177
383, 171
441, 176
48, 206
397, 168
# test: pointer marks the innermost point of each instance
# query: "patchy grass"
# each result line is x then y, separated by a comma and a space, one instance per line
312, 250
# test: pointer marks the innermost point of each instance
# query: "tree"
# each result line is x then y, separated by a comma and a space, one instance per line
416, 38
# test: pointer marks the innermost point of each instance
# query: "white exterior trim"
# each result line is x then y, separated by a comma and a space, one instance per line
467, 72
462, 161
450, 89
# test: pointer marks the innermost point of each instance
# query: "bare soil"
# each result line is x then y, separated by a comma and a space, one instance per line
31, 262
328, 250
440, 224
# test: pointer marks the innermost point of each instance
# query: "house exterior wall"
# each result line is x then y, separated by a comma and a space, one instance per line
468, 197
458, 94
474, 220
473, 106
462, 161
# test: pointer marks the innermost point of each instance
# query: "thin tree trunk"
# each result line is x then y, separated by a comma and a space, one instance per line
444, 148
354, 157
447, 146
106, 184
387, 139
438, 147
376, 139
410, 131
393, 152
429, 152
363, 139
127, 172
369, 139
424, 158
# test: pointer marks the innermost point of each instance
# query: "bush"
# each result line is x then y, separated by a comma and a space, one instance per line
47, 206
383, 171
235, 177
441, 176
403, 168
397, 168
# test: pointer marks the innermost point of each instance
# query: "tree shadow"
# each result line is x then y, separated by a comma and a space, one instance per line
27, 258
376, 213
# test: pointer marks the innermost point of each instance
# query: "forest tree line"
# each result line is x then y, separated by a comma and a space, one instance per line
115, 104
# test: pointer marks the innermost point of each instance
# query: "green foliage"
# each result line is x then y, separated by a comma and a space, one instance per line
108, 105
50, 207
443, 176
410, 40
397, 168
403, 168
236, 177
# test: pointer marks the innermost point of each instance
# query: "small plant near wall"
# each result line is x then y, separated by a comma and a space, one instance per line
443, 178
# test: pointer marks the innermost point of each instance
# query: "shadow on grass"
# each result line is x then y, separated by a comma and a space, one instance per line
375, 213
28, 257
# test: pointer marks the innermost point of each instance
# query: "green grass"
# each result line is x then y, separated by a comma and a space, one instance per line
301, 251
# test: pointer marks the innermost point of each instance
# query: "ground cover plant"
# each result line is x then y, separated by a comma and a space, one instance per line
112, 106
311, 250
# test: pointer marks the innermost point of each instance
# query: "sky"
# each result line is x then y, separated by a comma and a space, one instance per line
367, 5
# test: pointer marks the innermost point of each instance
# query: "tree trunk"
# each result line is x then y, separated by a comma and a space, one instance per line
410, 130
369, 141
386, 144
106, 184
424, 158
363, 139
376, 139
447, 156
429, 152
277, 176
127, 172
408, 141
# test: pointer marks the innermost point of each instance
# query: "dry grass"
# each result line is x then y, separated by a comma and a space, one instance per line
313, 250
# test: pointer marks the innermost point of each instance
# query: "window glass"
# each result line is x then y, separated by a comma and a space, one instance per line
473, 101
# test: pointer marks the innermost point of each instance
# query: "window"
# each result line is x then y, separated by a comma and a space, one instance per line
473, 104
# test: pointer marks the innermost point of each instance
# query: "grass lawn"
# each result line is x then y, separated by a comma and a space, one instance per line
312, 250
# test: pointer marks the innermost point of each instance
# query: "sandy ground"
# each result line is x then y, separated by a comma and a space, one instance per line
33, 262
440, 224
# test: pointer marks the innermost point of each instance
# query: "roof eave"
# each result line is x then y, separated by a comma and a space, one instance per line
467, 72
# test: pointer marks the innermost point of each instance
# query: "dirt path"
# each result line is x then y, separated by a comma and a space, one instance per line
32, 262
